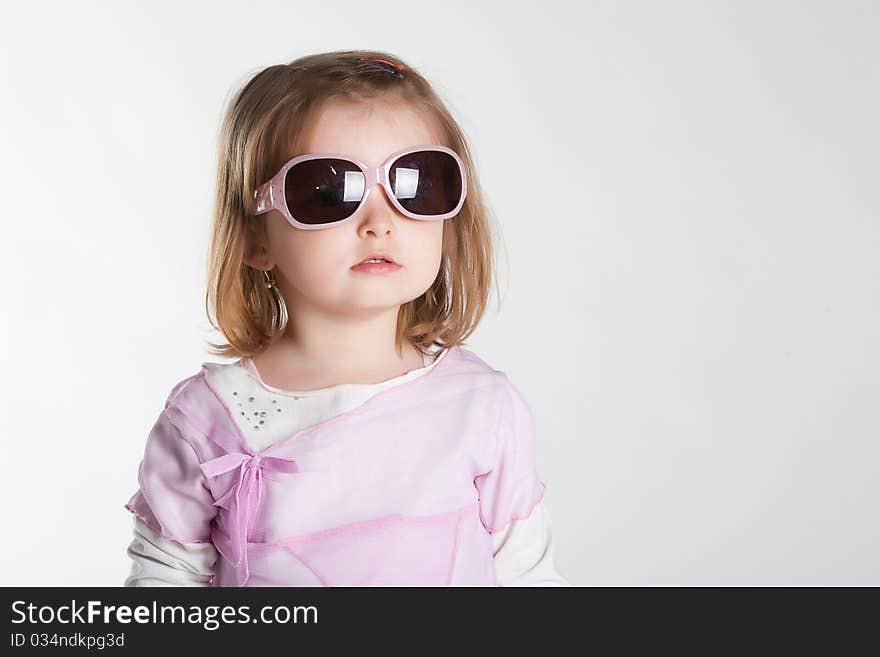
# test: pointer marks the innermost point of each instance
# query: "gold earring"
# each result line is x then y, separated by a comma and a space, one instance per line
279, 319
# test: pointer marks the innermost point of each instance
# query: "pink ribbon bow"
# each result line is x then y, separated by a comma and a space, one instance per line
251, 486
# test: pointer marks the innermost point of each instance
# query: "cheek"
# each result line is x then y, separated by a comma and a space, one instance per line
307, 275
424, 250
311, 259
432, 246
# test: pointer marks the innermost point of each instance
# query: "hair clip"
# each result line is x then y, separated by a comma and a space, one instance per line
385, 65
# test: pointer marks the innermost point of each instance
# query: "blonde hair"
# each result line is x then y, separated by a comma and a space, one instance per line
267, 118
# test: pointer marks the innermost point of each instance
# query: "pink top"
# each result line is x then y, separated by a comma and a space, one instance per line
404, 489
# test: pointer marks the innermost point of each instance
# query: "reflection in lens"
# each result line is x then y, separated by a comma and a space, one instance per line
323, 190
426, 182
406, 182
354, 187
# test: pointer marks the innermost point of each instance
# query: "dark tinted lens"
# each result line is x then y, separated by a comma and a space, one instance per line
426, 182
323, 191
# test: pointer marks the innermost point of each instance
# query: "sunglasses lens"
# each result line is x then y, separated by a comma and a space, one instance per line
323, 191
426, 182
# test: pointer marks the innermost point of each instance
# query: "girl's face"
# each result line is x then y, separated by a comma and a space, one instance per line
314, 267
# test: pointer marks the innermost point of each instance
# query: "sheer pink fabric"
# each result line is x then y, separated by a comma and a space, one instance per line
404, 489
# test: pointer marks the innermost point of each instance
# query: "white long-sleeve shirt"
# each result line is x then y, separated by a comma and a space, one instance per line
523, 550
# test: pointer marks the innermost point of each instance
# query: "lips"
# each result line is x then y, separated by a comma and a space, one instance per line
379, 256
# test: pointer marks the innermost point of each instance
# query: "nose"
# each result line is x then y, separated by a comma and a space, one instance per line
378, 213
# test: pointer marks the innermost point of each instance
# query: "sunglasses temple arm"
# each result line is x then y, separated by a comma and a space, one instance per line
263, 199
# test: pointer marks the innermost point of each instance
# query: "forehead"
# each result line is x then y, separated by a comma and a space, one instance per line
368, 131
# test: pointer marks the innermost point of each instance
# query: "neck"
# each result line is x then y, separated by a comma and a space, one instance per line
318, 351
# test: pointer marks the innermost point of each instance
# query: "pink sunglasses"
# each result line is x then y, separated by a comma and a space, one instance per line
320, 190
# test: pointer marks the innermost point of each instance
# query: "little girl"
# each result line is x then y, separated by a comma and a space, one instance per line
354, 441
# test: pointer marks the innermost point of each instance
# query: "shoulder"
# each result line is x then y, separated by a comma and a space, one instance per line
495, 381
198, 408
182, 388
506, 393
477, 363
466, 360
209, 375
200, 391
464, 364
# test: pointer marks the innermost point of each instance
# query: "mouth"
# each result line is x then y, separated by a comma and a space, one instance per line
377, 265
377, 258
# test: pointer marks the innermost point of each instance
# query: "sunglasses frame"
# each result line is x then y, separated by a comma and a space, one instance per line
270, 195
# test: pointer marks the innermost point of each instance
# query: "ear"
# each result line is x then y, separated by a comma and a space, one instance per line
256, 251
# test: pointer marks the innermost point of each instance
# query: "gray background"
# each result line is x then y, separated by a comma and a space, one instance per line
688, 194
